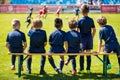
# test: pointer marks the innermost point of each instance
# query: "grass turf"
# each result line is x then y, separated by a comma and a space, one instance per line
96, 67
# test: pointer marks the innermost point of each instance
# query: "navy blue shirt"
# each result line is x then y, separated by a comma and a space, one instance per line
108, 35
85, 24
37, 39
56, 41
15, 39
74, 39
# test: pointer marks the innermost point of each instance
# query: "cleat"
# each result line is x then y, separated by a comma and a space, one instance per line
109, 67
42, 72
74, 72
12, 67
28, 71
67, 62
57, 70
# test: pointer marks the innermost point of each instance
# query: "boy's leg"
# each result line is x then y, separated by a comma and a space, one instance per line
51, 61
42, 64
61, 62
81, 63
13, 59
29, 61
74, 65
88, 62
21, 62
68, 60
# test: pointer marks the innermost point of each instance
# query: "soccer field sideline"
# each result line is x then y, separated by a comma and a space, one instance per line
5, 27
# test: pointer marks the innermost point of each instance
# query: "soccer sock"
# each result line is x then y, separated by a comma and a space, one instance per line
61, 64
51, 61
88, 62
13, 59
73, 63
81, 62
119, 62
29, 61
42, 63
108, 61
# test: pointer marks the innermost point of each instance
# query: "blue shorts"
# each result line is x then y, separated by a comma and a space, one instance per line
87, 43
112, 47
57, 49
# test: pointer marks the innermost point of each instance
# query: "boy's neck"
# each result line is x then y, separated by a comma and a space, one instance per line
85, 14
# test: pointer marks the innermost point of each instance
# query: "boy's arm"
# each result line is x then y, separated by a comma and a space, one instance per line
66, 46
24, 45
45, 43
99, 45
7, 43
93, 32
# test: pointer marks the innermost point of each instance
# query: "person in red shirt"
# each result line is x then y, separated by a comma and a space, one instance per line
58, 11
43, 12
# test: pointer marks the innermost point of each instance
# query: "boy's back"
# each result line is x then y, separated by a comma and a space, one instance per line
73, 37
15, 39
37, 40
107, 33
85, 24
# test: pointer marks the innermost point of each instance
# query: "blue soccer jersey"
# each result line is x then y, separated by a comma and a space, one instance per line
107, 34
15, 39
37, 39
74, 39
85, 24
56, 41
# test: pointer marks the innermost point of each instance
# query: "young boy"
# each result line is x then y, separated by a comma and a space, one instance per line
16, 42
87, 30
38, 41
107, 34
29, 17
77, 13
72, 43
56, 41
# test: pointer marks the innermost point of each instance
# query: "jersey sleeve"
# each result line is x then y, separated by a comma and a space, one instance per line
93, 25
101, 34
45, 40
30, 32
80, 39
7, 39
24, 38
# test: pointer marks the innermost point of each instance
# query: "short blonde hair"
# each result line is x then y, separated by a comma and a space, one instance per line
72, 24
37, 23
84, 8
15, 23
102, 20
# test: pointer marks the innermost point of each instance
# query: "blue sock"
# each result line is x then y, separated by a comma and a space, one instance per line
29, 61
61, 64
51, 61
73, 63
42, 63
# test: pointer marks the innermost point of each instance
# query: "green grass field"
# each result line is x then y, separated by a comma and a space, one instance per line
96, 67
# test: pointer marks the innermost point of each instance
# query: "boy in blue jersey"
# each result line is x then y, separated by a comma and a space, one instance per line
87, 30
77, 13
29, 17
72, 44
38, 41
107, 34
16, 42
56, 41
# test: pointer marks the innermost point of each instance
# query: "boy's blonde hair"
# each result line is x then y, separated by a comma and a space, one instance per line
37, 23
84, 8
72, 24
15, 23
102, 20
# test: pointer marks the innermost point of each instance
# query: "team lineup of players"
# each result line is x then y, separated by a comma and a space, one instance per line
78, 39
